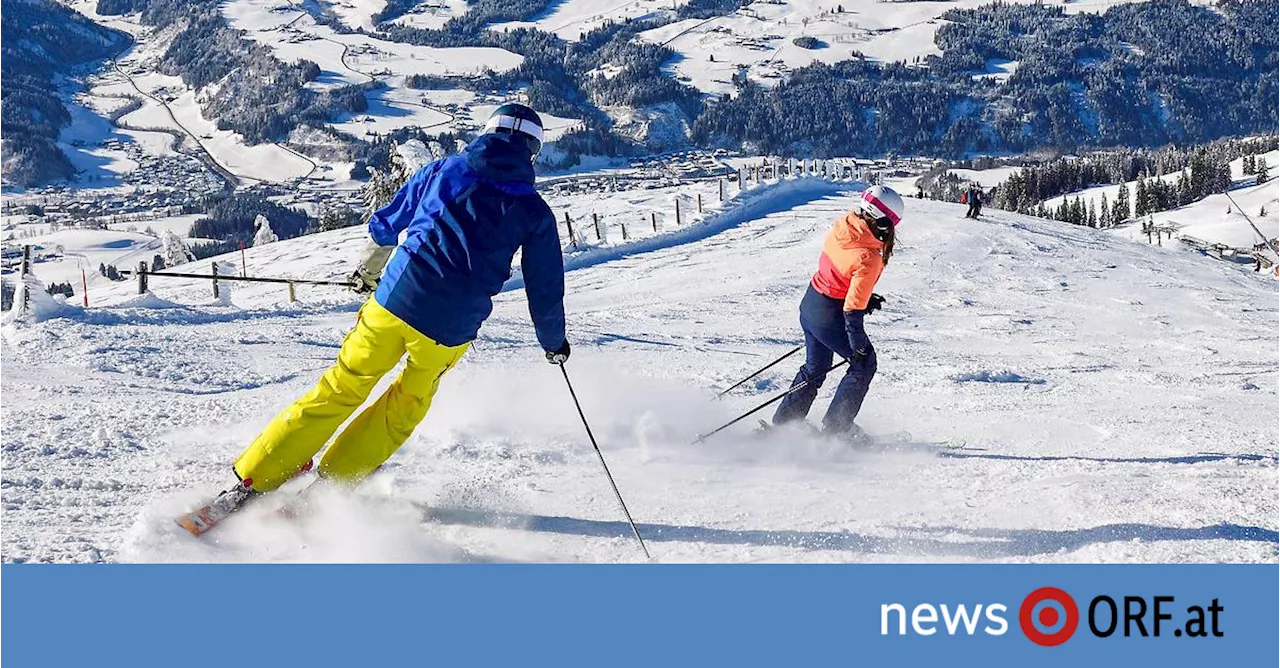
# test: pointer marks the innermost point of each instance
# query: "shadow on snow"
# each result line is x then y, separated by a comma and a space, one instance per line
1185, 459
932, 542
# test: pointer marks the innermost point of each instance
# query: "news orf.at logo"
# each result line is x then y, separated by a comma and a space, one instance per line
1048, 616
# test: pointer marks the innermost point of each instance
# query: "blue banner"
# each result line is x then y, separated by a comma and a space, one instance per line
1042, 615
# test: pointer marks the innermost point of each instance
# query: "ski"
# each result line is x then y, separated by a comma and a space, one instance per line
895, 441
211, 514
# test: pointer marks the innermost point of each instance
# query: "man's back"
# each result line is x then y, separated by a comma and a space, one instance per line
464, 218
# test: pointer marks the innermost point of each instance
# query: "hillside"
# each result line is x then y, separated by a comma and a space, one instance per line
44, 42
791, 77
1086, 398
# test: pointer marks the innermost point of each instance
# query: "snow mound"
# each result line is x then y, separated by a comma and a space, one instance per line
40, 305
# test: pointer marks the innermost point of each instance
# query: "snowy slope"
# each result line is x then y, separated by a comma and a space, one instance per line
761, 35
123, 246
1114, 401
1213, 219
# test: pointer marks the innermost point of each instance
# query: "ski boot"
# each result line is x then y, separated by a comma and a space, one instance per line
228, 502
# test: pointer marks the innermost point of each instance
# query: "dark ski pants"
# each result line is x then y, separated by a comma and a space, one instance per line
974, 210
825, 336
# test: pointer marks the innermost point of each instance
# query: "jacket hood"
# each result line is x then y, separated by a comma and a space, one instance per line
500, 159
853, 232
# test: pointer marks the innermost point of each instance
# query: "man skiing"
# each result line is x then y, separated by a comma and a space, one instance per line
974, 198
853, 257
463, 218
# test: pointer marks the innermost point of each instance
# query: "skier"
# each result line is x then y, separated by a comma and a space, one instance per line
974, 197
465, 217
853, 256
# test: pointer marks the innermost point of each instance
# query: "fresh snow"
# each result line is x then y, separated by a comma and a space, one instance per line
760, 36
570, 19
1090, 400
1212, 220
431, 14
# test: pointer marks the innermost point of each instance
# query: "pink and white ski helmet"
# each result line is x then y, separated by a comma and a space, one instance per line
883, 202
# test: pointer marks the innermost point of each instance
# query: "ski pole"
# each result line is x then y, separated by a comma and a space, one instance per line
760, 371
634, 528
1264, 237
776, 399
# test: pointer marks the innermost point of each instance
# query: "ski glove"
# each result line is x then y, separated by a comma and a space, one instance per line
559, 355
874, 304
858, 341
372, 259
363, 283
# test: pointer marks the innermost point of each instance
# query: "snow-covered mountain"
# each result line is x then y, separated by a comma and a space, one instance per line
1070, 396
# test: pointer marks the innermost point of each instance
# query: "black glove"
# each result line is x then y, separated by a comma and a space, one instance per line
858, 341
559, 355
363, 283
874, 303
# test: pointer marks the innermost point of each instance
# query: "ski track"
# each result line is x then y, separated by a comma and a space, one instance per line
1103, 401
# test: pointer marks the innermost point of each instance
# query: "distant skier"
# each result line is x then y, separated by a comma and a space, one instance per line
465, 217
853, 256
973, 196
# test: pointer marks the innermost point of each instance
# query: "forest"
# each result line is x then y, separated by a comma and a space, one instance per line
1200, 171
40, 41
1140, 74
229, 219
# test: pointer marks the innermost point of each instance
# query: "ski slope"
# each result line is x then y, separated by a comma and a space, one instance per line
1089, 399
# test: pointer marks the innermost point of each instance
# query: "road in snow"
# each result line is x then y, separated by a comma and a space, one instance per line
1102, 400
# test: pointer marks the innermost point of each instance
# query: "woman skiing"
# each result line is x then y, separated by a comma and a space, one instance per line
853, 256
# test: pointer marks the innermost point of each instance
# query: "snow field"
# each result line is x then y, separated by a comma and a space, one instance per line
1010, 348
760, 36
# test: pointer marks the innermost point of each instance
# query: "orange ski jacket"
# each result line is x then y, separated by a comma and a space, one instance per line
850, 264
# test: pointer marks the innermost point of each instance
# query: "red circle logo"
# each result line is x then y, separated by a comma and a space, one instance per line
1048, 616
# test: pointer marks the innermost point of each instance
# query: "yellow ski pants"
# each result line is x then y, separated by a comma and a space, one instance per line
369, 351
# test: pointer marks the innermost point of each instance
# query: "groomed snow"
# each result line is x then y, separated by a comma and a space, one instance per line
1092, 400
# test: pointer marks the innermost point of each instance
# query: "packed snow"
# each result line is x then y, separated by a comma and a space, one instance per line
1069, 396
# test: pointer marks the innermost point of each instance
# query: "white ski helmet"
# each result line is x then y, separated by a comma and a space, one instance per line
517, 119
882, 202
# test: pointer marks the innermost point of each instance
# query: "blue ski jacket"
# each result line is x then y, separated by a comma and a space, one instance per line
466, 217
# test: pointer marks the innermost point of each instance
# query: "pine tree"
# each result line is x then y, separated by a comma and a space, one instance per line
1262, 174
1122, 211
1104, 213
1140, 198
157, 262
1247, 165
1093, 215
263, 234
175, 250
